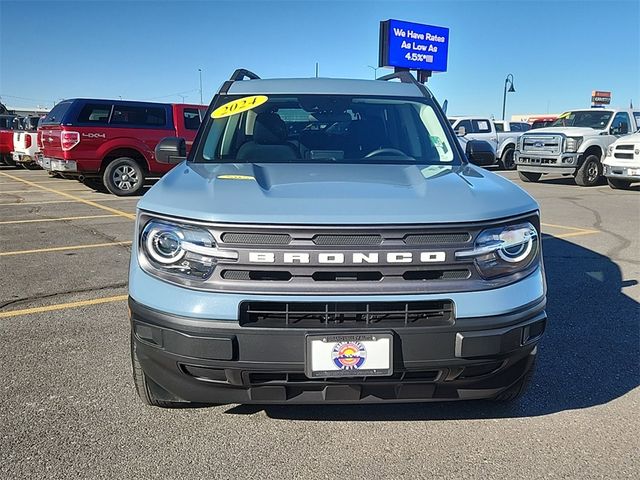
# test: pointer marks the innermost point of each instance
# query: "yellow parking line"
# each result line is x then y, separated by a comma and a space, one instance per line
34, 191
61, 219
567, 228
63, 306
59, 182
576, 234
72, 197
49, 202
62, 249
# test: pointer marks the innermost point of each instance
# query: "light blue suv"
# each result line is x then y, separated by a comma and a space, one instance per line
328, 241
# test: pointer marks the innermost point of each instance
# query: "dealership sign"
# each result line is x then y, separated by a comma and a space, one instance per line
600, 98
413, 46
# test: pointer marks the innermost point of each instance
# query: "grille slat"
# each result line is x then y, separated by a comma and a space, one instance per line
242, 238
345, 314
347, 240
437, 238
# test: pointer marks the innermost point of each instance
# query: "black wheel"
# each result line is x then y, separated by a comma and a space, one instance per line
590, 172
507, 160
618, 184
124, 177
515, 391
150, 392
9, 161
529, 176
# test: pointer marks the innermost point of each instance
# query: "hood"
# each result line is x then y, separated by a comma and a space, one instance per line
633, 138
286, 193
568, 131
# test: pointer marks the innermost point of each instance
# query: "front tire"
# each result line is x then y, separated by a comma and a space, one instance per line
507, 161
515, 391
618, 184
589, 172
529, 177
150, 392
124, 177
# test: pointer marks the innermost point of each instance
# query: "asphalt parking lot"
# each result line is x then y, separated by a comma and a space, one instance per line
69, 409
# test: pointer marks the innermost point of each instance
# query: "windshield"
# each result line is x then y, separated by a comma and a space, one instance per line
326, 128
597, 119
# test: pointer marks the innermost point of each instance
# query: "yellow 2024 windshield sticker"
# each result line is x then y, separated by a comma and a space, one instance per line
238, 106
564, 115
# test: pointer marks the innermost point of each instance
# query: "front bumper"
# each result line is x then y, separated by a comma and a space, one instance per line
622, 172
563, 164
218, 361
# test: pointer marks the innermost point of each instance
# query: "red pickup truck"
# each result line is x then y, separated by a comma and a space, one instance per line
7, 126
112, 142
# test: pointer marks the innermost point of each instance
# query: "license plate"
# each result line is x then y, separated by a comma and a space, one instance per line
349, 355
634, 171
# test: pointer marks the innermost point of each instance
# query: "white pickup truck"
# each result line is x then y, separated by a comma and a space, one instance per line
25, 143
502, 136
622, 164
575, 144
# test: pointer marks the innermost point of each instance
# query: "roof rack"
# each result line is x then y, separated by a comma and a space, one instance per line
403, 76
406, 77
242, 73
239, 75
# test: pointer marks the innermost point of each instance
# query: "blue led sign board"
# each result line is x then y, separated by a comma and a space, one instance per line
413, 46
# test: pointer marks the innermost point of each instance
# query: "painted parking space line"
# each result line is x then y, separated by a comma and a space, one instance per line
572, 231
2, 192
50, 202
16, 182
63, 306
72, 197
63, 249
61, 219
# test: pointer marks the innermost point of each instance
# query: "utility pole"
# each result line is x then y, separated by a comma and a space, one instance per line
317, 69
200, 74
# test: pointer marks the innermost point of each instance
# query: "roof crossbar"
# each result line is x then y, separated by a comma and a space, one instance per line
242, 73
403, 76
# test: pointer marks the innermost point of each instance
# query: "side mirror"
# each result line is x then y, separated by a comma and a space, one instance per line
461, 131
171, 150
480, 153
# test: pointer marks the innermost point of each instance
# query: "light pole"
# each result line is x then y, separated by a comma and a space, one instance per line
182, 97
200, 75
375, 71
507, 81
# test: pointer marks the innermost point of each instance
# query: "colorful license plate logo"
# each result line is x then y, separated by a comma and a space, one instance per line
349, 355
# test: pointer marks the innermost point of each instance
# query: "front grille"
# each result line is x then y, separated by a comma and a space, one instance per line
624, 147
347, 240
266, 378
437, 238
241, 238
346, 314
624, 156
542, 144
349, 259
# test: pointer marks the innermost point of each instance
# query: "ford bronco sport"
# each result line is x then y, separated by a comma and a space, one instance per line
328, 241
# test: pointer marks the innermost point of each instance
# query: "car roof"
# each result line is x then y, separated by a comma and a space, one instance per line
327, 86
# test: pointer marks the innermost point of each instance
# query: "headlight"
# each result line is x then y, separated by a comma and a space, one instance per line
175, 251
573, 144
504, 250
